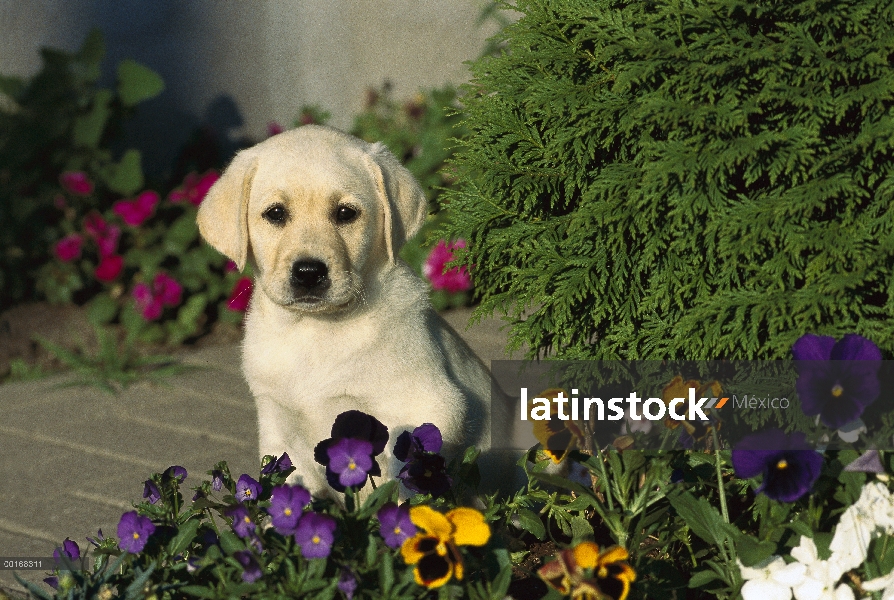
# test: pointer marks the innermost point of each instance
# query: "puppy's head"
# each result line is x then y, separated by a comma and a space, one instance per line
316, 211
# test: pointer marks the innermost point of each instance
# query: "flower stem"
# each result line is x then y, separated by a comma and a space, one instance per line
605, 479
724, 511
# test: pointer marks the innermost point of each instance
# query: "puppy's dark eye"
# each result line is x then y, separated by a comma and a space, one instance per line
345, 214
276, 214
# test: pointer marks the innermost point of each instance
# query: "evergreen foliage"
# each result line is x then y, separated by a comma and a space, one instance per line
683, 178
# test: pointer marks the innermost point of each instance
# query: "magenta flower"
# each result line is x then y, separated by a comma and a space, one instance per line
135, 212
109, 268
106, 236
315, 535
251, 569
351, 460
286, 506
76, 182
247, 489
230, 267
134, 532
395, 524
194, 188
69, 248
241, 294
274, 128
165, 291
455, 279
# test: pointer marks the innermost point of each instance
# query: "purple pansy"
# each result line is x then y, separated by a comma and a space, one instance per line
355, 425
426, 470
836, 380
395, 524
216, 480
174, 472
286, 506
283, 463
151, 492
69, 549
351, 460
315, 534
789, 465
242, 523
347, 583
251, 570
134, 532
425, 438
426, 473
247, 488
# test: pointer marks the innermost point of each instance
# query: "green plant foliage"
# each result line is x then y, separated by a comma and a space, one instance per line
683, 179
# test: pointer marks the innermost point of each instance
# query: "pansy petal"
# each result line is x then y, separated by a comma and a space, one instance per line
432, 521
613, 555
429, 436
471, 529
586, 555
433, 571
414, 548
813, 347
855, 347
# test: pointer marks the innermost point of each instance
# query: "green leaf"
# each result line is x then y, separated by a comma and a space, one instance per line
500, 584
88, 128
530, 522
701, 578
230, 542
752, 551
562, 482
185, 535
386, 573
126, 177
137, 83
702, 518
200, 591
383, 494
180, 234
102, 309
581, 528
94, 48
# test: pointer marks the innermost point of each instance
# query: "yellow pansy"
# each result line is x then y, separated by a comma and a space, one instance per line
434, 549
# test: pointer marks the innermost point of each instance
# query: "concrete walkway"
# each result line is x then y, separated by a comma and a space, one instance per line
72, 460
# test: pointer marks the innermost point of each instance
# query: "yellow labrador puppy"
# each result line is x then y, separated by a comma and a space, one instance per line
337, 320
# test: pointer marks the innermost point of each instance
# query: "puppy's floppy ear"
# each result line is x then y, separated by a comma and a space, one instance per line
223, 214
404, 202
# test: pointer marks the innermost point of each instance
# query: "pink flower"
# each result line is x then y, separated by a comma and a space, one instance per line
165, 291
109, 267
230, 267
274, 128
148, 305
69, 248
194, 188
241, 294
455, 279
76, 182
135, 212
105, 235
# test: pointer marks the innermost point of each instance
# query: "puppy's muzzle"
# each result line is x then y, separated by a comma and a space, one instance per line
309, 278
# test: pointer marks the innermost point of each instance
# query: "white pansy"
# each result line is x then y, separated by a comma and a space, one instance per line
820, 576
850, 544
879, 502
850, 432
883, 584
771, 579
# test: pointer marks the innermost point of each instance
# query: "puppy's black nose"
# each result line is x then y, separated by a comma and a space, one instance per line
309, 275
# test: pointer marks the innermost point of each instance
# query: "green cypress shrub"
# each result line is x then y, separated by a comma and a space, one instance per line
683, 178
